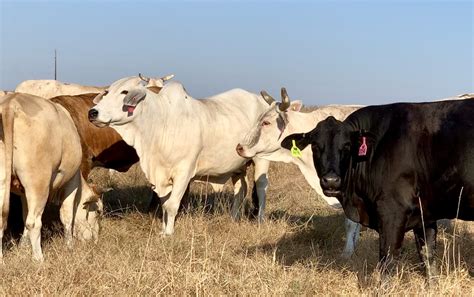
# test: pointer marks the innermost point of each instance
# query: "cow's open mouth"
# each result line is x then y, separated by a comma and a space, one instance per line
331, 192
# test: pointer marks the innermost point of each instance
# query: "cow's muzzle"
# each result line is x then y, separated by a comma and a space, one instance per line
331, 184
240, 150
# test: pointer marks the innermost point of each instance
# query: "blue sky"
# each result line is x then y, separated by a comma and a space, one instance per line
323, 52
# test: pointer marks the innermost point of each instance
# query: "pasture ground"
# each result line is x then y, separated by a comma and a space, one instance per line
296, 251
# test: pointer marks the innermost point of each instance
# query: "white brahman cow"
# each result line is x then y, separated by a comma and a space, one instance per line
179, 139
283, 119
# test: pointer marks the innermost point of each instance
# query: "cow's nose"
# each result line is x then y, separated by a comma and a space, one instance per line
93, 113
331, 181
239, 149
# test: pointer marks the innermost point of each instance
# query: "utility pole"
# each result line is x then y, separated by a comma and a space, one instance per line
55, 65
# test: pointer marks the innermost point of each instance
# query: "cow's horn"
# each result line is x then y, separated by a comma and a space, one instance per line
269, 99
285, 100
167, 77
144, 78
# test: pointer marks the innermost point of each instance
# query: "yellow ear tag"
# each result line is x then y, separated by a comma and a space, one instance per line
295, 151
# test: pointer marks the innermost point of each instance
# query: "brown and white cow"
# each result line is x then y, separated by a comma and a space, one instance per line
40, 156
100, 147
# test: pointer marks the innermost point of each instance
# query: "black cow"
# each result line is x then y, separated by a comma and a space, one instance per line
398, 167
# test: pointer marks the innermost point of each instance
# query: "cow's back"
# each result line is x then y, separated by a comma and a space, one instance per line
51, 88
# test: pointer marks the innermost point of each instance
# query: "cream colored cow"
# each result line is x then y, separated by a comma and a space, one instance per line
40, 155
3, 93
52, 88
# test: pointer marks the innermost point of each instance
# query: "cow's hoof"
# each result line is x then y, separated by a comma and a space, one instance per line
346, 255
24, 242
235, 217
38, 258
165, 234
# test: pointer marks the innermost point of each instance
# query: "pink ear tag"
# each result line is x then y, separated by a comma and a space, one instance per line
363, 148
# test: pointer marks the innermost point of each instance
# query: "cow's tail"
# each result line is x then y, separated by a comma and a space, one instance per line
7, 122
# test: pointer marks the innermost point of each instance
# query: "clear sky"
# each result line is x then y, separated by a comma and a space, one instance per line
361, 52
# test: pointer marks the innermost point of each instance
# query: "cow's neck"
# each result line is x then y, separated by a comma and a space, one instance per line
359, 191
154, 131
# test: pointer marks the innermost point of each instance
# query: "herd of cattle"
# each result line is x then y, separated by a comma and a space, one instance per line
392, 168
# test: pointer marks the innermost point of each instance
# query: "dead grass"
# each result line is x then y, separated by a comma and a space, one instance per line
295, 252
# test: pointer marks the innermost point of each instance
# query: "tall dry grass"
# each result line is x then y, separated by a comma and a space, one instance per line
296, 251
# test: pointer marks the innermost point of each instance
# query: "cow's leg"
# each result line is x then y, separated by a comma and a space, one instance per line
154, 205
66, 212
240, 191
170, 204
36, 199
217, 188
427, 250
24, 240
352, 237
392, 220
155, 202
390, 242
260, 184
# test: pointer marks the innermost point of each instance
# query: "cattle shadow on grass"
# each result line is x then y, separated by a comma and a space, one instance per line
120, 201
200, 199
318, 241
312, 239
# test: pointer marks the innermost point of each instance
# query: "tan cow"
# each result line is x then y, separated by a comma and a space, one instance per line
3, 93
41, 155
52, 88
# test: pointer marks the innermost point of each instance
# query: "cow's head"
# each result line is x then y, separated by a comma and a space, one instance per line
118, 103
331, 144
266, 135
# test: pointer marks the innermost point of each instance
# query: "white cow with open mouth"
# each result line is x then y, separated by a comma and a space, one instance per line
179, 139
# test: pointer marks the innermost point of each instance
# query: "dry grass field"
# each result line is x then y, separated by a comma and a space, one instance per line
296, 251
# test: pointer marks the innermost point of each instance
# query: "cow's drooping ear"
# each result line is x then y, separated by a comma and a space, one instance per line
156, 84
300, 140
134, 97
296, 105
155, 89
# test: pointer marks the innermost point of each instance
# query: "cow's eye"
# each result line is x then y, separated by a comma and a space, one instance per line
346, 147
125, 92
265, 123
